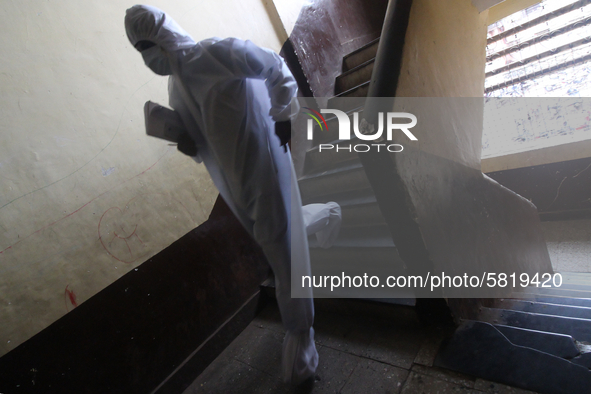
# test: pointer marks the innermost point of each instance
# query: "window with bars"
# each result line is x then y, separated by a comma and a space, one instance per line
542, 51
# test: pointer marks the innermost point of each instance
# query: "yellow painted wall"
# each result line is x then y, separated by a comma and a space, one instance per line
444, 56
85, 195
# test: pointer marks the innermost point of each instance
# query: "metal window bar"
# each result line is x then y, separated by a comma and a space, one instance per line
539, 56
538, 73
546, 61
537, 21
540, 39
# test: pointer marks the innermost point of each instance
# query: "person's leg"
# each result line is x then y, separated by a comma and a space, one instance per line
260, 183
289, 259
299, 358
323, 220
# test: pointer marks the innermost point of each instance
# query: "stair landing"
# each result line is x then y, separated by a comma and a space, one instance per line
364, 347
539, 340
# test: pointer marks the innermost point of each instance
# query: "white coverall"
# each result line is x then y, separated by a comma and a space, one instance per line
229, 94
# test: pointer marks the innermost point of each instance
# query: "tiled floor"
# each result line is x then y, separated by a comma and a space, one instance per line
363, 348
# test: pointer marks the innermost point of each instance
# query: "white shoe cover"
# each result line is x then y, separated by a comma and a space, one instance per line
324, 220
299, 358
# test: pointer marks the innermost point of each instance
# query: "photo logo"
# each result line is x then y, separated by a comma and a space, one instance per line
316, 119
390, 122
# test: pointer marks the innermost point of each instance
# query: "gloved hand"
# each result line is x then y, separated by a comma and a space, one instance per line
283, 131
186, 145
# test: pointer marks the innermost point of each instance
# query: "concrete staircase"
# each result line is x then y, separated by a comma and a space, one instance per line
540, 340
340, 177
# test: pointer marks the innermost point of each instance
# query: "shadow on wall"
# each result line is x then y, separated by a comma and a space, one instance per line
133, 334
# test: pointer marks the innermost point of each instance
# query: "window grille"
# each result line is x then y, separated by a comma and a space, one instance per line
544, 52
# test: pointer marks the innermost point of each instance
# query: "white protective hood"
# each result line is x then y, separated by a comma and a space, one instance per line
147, 23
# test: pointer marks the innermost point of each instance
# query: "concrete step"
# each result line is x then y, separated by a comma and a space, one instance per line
336, 153
579, 329
342, 181
324, 158
564, 301
564, 291
352, 256
354, 77
362, 224
559, 345
546, 308
395, 301
367, 213
347, 103
369, 307
358, 91
364, 236
361, 55
480, 349
351, 197
359, 261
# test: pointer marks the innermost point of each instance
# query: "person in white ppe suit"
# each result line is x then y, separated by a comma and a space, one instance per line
231, 96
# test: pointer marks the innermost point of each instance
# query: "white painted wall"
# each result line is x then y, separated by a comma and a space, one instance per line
85, 195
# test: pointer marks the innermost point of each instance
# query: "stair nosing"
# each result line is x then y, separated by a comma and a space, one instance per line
537, 331
361, 248
318, 174
537, 314
316, 148
353, 89
549, 304
356, 51
356, 68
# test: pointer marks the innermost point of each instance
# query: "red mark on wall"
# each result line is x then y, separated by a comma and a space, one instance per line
118, 233
70, 298
83, 206
124, 231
